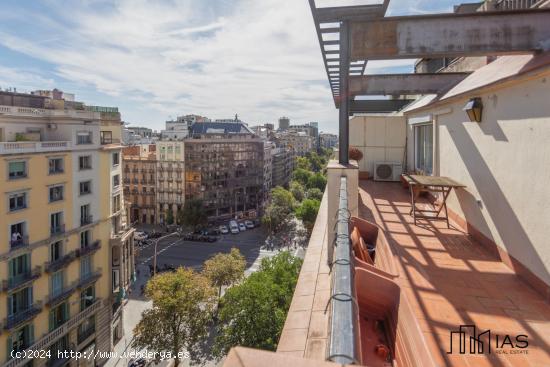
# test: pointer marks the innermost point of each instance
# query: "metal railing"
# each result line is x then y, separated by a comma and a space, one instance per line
88, 249
22, 316
58, 229
19, 243
17, 281
343, 343
88, 278
53, 266
87, 219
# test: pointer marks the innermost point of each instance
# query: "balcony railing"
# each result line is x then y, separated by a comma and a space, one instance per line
85, 220
343, 329
86, 279
20, 317
91, 248
59, 296
21, 279
34, 147
85, 334
19, 243
53, 266
57, 229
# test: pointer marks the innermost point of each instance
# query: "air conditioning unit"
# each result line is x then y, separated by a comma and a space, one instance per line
52, 126
387, 171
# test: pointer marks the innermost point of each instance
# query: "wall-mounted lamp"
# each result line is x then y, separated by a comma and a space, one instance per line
474, 109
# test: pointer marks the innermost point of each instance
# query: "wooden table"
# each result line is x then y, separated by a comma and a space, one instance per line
433, 184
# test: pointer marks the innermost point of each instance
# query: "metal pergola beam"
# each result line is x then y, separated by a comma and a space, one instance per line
401, 84
451, 35
340, 13
378, 105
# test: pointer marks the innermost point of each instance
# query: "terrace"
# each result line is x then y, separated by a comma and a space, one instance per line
375, 288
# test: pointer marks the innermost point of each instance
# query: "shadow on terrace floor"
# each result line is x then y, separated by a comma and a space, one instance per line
450, 280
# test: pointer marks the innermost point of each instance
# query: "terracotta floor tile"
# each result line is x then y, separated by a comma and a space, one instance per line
449, 279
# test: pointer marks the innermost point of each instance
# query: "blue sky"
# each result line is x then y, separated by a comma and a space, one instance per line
159, 59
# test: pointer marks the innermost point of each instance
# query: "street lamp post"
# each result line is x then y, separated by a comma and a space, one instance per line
155, 256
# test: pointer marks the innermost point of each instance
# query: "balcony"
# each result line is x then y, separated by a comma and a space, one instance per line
413, 285
21, 280
19, 243
87, 279
89, 249
63, 261
66, 292
82, 335
21, 147
58, 229
21, 317
85, 220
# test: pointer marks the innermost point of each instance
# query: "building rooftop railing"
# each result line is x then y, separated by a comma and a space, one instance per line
343, 319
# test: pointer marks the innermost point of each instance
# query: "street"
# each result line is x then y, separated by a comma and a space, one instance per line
176, 252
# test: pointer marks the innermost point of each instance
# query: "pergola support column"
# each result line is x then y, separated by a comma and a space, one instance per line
344, 92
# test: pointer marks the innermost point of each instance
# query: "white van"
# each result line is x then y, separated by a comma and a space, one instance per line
233, 227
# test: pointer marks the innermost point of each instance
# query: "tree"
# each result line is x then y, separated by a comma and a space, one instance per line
307, 212
279, 211
302, 176
316, 162
193, 214
317, 181
303, 163
169, 216
297, 190
315, 194
253, 313
178, 320
224, 269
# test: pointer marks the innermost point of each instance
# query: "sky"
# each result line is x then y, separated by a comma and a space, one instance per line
159, 59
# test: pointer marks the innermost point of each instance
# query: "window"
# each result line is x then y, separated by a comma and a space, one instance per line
84, 137
55, 165
55, 251
84, 239
86, 329
57, 283
59, 315
85, 266
116, 181
116, 159
106, 137
56, 223
116, 203
21, 339
17, 170
87, 297
85, 216
423, 157
19, 266
17, 234
85, 187
116, 279
18, 201
56, 193
85, 162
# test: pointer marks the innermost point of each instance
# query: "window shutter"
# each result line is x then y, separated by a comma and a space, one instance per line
9, 346
10, 304
11, 269
52, 320
31, 334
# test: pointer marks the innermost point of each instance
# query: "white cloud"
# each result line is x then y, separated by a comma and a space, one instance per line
260, 59
23, 80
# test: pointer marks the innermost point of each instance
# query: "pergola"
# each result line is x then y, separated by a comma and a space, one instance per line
349, 36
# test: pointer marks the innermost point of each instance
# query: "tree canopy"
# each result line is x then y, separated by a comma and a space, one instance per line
315, 194
302, 176
225, 269
178, 320
193, 214
307, 212
317, 181
297, 190
253, 313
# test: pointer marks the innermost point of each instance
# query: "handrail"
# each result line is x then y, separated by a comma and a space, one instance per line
343, 341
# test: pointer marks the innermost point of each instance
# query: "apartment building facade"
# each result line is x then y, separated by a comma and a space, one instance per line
170, 181
282, 160
300, 142
224, 166
55, 256
140, 177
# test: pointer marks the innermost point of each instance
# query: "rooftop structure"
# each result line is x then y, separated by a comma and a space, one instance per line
380, 287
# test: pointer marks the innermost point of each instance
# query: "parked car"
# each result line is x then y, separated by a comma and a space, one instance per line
242, 227
249, 224
234, 227
224, 230
139, 236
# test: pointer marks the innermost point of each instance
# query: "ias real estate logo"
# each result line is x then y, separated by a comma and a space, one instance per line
473, 342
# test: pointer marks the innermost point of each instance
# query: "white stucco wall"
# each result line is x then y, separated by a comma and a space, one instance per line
505, 163
380, 138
